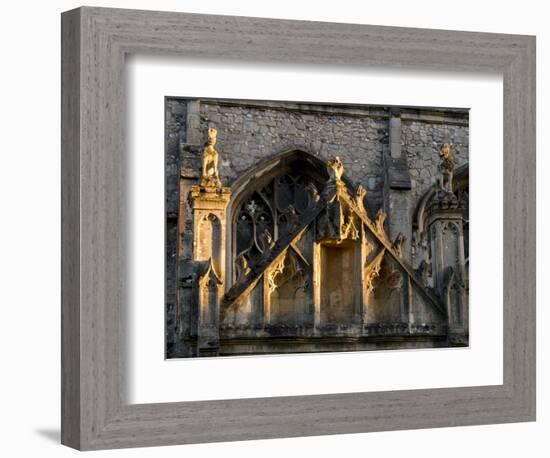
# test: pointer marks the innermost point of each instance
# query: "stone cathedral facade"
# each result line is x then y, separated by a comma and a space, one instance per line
298, 227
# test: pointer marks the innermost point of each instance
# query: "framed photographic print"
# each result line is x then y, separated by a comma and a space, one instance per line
264, 231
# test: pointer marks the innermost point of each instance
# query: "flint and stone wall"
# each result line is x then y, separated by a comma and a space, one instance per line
421, 140
249, 132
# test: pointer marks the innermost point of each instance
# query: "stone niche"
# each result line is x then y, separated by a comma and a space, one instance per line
340, 274
209, 244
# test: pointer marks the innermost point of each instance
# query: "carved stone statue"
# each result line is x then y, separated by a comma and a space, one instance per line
210, 176
335, 168
446, 167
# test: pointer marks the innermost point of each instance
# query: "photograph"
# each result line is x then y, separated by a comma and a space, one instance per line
303, 227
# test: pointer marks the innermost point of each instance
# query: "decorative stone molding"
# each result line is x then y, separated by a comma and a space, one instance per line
276, 269
210, 278
379, 224
372, 272
360, 199
405, 329
349, 228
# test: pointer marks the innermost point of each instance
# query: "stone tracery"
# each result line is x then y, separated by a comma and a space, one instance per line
271, 213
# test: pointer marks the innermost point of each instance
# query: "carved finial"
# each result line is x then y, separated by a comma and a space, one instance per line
372, 271
210, 176
360, 198
379, 222
446, 168
336, 168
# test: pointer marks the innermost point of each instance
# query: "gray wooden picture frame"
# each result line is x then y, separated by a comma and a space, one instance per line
95, 411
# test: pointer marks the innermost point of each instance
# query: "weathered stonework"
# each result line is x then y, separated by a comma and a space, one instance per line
421, 141
273, 248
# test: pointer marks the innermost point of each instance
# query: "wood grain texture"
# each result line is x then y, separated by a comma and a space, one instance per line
96, 413
70, 229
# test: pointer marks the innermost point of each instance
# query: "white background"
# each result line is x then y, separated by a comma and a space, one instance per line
30, 246
152, 378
